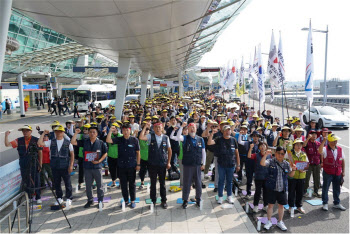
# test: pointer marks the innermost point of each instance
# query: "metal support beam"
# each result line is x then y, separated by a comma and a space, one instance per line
144, 81
20, 90
122, 79
181, 87
152, 91
5, 14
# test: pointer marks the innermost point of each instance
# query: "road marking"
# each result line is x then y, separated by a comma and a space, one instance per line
344, 146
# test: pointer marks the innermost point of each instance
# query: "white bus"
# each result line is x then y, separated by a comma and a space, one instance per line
104, 95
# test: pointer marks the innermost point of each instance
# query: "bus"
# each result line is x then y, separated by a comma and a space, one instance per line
104, 95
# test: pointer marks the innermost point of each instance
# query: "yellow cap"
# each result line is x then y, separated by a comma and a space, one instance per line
28, 127
333, 137
115, 125
297, 141
113, 117
148, 118
59, 128
155, 117
100, 117
131, 116
289, 118
181, 114
87, 126
295, 120
55, 123
119, 122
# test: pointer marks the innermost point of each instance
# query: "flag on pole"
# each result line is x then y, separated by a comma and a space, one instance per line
281, 74
255, 66
272, 65
272, 93
261, 78
231, 73
252, 75
242, 78
309, 72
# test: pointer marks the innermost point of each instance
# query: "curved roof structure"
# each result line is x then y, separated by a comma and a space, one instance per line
162, 36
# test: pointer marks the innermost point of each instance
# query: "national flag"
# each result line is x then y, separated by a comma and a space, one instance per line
272, 65
241, 78
309, 72
261, 78
281, 74
253, 76
231, 71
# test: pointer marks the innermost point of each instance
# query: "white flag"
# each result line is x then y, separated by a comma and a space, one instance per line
309, 72
255, 74
281, 74
261, 78
272, 93
252, 75
272, 65
231, 70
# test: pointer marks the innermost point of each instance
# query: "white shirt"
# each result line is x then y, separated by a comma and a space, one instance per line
335, 152
59, 145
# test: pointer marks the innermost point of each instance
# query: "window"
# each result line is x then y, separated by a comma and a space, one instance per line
101, 96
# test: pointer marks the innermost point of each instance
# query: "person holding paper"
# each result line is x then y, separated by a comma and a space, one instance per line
96, 149
296, 182
333, 170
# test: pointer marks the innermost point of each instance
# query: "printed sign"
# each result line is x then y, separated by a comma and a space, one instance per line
301, 165
90, 156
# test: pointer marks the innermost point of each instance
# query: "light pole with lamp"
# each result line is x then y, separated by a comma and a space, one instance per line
325, 63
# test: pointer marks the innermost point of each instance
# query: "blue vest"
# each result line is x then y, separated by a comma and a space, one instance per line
59, 159
272, 173
127, 153
158, 156
93, 148
192, 155
23, 152
270, 139
226, 153
260, 171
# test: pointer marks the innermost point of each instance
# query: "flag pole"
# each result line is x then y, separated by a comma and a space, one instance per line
309, 112
285, 96
282, 102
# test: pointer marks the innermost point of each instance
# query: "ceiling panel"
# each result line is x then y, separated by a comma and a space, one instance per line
126, 6
186, 11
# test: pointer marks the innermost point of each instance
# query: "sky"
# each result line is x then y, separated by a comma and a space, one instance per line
254, 26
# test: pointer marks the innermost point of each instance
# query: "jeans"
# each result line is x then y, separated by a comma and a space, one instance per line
127, 178
225, 173
327, 180
154, 172
59, 174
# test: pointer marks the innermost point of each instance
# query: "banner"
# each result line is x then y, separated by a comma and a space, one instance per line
272, 65
281, 74
242, 78
272, 93
261, 78
309, 72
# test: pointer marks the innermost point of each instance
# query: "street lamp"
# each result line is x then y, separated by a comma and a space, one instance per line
325, 63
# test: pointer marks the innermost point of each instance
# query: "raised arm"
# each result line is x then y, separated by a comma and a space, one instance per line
142, 134
74, 138
109, 135
250, 150
7, 142
41, 138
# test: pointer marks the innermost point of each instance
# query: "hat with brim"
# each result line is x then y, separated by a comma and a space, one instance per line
313, 121
59, 128
255, 116
131, 116
69, 121
259, 128
295, 120
297, 141
26, 127
226, 128
286, 128
312, 132
244, 126
224, 122
298, 129
275, 125
181, 114
55, 123
87, 126
255, 133
332, 137
148, 118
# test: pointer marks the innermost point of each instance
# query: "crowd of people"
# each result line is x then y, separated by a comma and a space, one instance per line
173, 137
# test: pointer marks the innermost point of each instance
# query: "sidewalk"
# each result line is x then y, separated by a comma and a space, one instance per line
32, 112
211, 219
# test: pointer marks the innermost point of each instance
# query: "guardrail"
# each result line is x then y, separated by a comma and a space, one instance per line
15, 208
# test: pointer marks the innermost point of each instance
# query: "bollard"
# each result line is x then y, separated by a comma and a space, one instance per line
100, 206
76, 188
247, 207
201, 205
105, 188
123, 206
310, 192
236, 191
152, 208
292, 213
258, 228
67, 205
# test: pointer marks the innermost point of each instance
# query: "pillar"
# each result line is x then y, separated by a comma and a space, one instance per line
144, 81
152, 91
81, 81
48, 79
20, 90
5, 14
181, 87
122, 80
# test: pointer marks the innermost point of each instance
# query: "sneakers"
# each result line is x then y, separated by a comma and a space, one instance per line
184, 204
268, 225
88, 204
340, 207
60, 201
325, 207
230, 199
256, 209
164, 205
68, 202
301, 210
281, 225
132, 205
220, 200
39, 201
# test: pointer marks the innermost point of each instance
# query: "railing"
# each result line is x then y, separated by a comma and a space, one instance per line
23, 199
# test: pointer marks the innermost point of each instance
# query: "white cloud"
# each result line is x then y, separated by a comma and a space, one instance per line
254, 25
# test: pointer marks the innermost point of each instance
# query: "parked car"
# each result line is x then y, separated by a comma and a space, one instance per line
326, 116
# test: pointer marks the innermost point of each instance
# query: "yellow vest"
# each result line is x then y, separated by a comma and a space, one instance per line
302, 158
